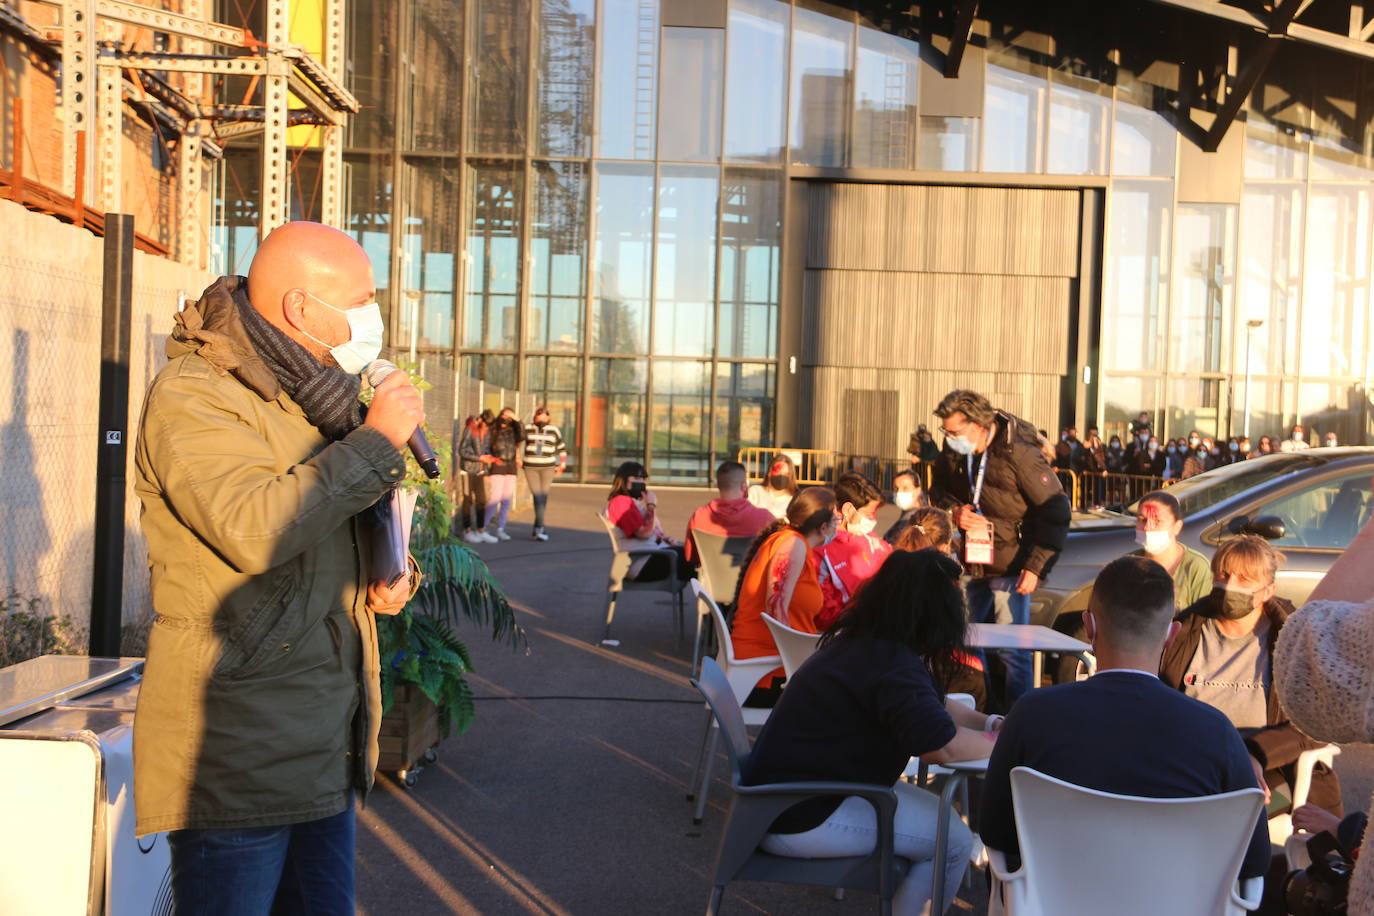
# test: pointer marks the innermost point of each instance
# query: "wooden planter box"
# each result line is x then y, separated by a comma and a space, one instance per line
409, 730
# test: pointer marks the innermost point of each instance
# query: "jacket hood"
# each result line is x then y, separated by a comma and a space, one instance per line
724, 511
213, 329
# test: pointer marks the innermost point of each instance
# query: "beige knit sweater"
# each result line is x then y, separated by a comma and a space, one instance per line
1324, 671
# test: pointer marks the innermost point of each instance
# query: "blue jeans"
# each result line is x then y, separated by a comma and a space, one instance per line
997, 601
294, 868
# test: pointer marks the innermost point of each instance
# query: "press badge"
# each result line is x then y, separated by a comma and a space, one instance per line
978, 546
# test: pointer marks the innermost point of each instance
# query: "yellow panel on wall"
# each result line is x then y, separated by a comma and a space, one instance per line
306, 30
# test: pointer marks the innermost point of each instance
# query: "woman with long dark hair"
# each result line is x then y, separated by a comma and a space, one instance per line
871, 697
472, 451
633, 509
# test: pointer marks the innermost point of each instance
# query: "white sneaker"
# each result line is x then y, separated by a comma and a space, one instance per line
540, 535
501, 534
472, 537
485, 538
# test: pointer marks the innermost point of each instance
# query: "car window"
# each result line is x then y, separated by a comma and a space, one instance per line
1325, 514
1199, 493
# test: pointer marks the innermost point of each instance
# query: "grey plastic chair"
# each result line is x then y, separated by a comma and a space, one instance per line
621, 560
754, 808
720, 561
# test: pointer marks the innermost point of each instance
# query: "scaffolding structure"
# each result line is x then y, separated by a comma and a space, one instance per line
103, 68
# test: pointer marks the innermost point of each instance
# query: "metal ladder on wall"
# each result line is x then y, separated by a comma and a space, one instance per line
646, 68
897, 114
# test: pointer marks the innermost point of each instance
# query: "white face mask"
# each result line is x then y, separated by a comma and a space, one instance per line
862, 525
961, 444
365, 333
1154, 542
904, 499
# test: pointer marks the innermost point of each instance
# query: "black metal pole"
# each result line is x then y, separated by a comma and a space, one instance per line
107, 581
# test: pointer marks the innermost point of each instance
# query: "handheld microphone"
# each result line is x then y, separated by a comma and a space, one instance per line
376, 373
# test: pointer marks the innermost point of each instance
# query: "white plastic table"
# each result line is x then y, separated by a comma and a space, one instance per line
1030, 638
960, 770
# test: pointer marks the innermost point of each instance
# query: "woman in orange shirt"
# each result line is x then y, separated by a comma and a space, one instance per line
780, 578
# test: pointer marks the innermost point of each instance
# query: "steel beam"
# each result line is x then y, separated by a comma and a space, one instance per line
110, 99
328, 84
173, 23
192, 63
273, 200
189, 250
331, 153
964, 14
305, 91
77, 87
1296, 31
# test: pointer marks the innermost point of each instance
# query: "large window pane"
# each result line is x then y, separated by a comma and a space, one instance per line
623, 258
750, 256
1123, 398
556, 382
744, 407
685, 286
558, 256
563, 87
493, 250
434, 76
1273, 154
949, 144
371, 37
1331, 407
1335, 298
757, 80
681, 414
369, 219
1137, 283
821, 91
615, 415
1197, 403
1271, 272
1205, 257
1013, 115
885, 101
1143, 143
429, 246
1266, 409
629, 65
1080, 117
690, 89
497, 371
498, 75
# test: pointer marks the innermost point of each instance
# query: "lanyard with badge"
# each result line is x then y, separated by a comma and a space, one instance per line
978, 541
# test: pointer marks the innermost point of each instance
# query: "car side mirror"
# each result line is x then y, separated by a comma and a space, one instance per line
1269, 527
1237, 524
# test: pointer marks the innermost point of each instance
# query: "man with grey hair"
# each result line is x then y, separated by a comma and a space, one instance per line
1007, 501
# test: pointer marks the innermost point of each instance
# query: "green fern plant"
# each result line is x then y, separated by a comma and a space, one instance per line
418, 645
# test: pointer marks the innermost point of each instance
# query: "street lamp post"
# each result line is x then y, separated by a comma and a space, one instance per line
1249, 334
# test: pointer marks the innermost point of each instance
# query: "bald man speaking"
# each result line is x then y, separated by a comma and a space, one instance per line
258, 714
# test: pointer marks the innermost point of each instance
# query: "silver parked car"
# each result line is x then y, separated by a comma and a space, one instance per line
1310, 504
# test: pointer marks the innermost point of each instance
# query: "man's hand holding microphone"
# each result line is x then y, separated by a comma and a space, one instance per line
397, 411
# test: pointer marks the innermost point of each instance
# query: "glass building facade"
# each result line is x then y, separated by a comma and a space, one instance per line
586, 200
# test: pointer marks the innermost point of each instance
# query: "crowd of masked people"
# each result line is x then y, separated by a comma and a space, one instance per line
1207, 681
1144, 455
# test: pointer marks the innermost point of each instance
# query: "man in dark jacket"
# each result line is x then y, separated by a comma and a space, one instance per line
994, 477
1224, 653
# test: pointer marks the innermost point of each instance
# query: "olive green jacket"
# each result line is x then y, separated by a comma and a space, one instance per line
260, 700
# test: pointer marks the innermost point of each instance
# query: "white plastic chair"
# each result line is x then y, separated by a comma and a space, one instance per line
794, 646
742, 674
1132, 856
720, 562
1281, 825
616, 581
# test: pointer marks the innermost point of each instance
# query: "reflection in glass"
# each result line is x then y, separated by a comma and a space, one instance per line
755, 84
369, 217
1273, 154
885, 101
1271, 272
685, 285
949, 144
1197, 404
1012, 113
1123, 398
750, 255
629, 63
563, 77
433, 77
615, 415
495, 370
1335, 294
498, 73
681, 415
744, 407
495, 191
1205, 257
427, 255
1079, 118
1137, 274
1144, 143
371, 36
558, 256
1335, 158
555, 382
821, 90
1331, 408
623, 258
1266, 408
690, 89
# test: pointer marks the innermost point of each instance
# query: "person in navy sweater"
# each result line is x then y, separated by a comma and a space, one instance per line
1122, 730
